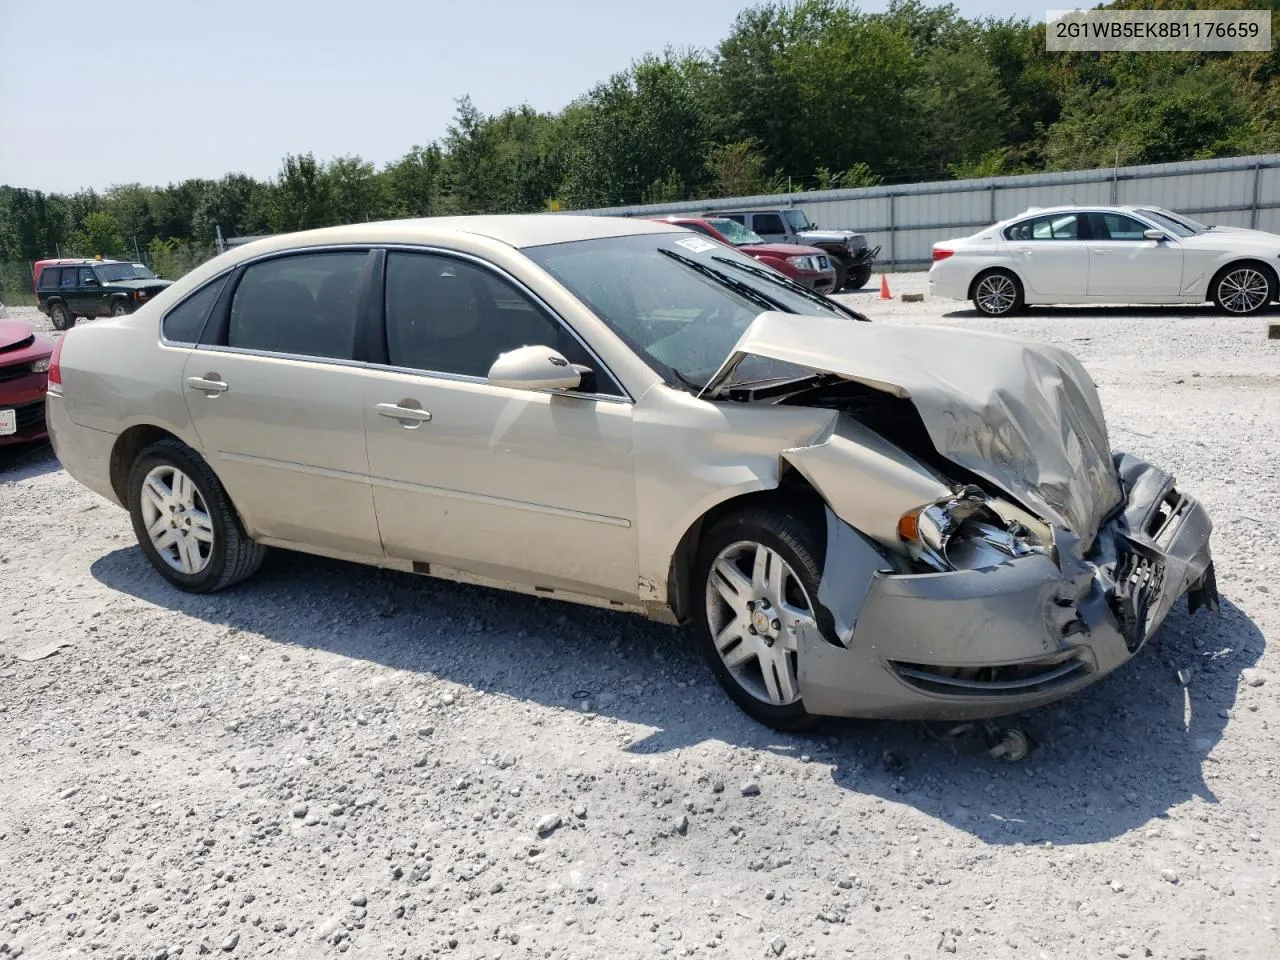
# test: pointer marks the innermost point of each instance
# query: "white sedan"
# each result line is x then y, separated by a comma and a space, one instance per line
1140, 254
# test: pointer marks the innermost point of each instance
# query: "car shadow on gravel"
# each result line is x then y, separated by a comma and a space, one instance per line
23, 461
1144, 312
1120, 754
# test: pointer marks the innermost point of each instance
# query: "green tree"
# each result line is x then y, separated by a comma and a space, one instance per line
99, 236
301, 199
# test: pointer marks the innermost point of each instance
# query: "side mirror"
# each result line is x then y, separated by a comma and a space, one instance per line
91, 282
534, 368
1154, 234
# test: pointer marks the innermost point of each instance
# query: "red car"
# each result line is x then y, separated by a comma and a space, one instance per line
807, 265
24, 377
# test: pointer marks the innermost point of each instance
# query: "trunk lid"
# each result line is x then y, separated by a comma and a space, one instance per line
1023, 415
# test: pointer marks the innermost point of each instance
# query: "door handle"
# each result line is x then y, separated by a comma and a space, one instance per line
408, 416
1025, 251
210, 383
1098, 253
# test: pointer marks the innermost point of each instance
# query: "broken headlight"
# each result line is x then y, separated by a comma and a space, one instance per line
964, 532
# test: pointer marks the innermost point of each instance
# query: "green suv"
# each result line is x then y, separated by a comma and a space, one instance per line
102, 288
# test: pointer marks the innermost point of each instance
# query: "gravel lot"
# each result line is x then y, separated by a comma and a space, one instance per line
332, 759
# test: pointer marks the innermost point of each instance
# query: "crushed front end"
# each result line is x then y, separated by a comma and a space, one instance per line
1024, 620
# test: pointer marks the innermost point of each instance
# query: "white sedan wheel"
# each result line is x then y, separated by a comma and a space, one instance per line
996, 294
1244, 290
755, 601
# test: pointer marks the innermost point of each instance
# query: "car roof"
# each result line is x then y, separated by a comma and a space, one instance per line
1088, 207
517, 230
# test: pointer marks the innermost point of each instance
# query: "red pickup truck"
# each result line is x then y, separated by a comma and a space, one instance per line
807, 265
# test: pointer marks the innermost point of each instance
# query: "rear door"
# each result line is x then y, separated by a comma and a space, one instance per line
769, 226
1125, 265
1051, 254
275, 397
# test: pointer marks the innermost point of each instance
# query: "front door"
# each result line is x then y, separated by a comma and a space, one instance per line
276, 402
85, 298
530, 486
1126, 266
1052, 256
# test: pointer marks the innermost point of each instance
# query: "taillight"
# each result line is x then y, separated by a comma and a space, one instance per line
55, 366
941, 253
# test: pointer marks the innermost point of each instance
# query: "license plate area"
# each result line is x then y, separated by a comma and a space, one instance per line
8, 422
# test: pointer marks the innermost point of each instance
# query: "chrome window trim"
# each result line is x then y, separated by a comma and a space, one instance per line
625, 397
387, 368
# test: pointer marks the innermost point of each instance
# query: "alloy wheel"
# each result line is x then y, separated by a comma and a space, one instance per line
755, 602
996, 294
1245, 290
177, 519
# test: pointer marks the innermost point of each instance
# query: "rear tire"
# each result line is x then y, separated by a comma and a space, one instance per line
61, 317
760, 568
1243, 289
184, 520
997, 293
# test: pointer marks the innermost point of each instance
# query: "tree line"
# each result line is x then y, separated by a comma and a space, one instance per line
798, 96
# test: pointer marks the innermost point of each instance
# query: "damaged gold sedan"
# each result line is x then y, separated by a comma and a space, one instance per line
858, 519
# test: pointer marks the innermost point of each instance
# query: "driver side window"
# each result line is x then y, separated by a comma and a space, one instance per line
447, 315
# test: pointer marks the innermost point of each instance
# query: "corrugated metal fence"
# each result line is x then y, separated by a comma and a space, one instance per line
907, 220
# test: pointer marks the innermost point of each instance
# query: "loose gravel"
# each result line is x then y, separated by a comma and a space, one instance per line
332, 759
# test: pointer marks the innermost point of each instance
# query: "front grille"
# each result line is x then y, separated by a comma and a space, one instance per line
29, 415
1013, 680
15, 372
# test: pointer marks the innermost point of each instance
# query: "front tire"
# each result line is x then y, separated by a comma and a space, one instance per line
755, 580
858, 278
184, 520
997, 293
1243, 289
61, 317
119, 309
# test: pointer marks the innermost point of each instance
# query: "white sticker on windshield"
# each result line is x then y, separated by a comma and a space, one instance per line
696, 244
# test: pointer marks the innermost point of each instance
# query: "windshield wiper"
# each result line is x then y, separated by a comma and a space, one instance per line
788, 283
737, 286
697, 388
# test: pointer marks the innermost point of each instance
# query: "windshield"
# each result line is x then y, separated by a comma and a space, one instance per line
797, 219
1179, 225
114, 272
735, 232
680, 302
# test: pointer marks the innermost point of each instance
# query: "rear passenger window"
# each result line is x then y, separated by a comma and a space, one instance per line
452, 316
304, 304
767, 223
68, 276
184, 323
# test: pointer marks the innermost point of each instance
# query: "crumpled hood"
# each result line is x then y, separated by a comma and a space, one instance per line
1023, 415
14, 333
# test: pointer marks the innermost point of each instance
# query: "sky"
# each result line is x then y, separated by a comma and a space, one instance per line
177, 88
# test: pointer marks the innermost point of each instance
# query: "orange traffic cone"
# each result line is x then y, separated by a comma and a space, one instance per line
884, 287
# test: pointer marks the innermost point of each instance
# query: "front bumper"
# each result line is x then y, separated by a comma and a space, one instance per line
25, 397
862, 258
978, 643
